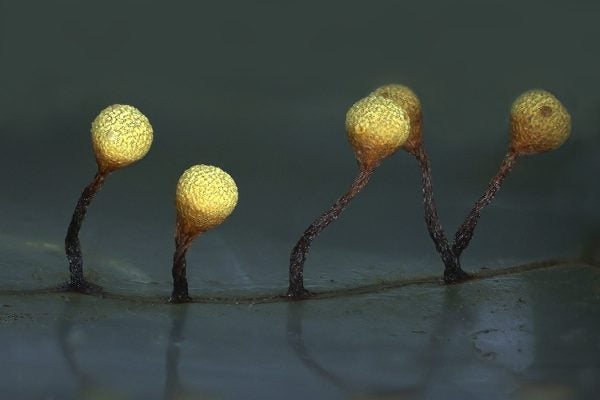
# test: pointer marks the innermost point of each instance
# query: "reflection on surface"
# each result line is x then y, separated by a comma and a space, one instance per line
296, 341
174, 388
517, 336
480, 333
295, 338
482, 339
68, 339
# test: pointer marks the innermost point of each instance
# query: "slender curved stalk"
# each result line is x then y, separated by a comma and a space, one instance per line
183, 241
77, 281
298, 256
465, 232
452, 269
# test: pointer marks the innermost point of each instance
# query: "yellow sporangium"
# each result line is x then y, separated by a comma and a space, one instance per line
538, 122
376, 128
121, 135
205, 197
408, 100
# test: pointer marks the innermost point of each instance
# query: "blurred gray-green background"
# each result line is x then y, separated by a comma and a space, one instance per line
261, 89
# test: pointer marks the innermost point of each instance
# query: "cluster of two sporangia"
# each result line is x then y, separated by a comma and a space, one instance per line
378, 125
205, 195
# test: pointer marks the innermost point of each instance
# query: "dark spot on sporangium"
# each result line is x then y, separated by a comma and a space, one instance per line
546, 111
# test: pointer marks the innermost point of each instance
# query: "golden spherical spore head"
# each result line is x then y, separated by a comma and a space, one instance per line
538, 122
408, 100
205, 197
121, 135
376, 128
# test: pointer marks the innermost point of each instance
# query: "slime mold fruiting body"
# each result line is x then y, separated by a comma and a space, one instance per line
538, 123
407, 99
121, 135
376, 128
205, 197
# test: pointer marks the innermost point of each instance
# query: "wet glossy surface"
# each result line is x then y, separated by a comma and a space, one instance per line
533, 335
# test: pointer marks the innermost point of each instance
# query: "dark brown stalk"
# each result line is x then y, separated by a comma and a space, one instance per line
77, 282
465, 233
452, 269
183, 241
298, 257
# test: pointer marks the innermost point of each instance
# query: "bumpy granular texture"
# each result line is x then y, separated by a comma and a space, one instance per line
538, 122
376, 127
206, 195
121, 135
408, 100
